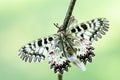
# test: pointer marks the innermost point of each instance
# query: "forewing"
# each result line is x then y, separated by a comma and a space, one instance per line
37, 50
91, 30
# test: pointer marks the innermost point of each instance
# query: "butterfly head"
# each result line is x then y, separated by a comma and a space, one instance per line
60, 29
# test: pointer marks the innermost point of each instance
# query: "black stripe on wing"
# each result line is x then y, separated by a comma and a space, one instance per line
92, 29
37, 50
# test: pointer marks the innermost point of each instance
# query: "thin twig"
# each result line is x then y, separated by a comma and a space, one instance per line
65, 23
59, 76
68, 14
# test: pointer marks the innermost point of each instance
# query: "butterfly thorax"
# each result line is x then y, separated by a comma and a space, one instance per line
67, 43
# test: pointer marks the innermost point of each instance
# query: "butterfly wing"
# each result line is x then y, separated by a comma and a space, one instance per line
58, 62
57, 59
46, 47
82, 36
38, 49
91, 30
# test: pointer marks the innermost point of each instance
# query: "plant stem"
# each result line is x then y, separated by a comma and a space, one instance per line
65, 23
68, 14
59, 76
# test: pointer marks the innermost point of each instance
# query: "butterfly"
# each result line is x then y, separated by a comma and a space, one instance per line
73, 45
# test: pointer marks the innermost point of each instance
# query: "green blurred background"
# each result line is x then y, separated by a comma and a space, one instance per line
22, 21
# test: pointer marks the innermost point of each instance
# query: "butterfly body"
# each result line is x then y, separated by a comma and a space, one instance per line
70, 45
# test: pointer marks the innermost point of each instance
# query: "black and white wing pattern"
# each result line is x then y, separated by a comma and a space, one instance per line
72, 45
38, 49
46, 47
91, 30
84, 34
